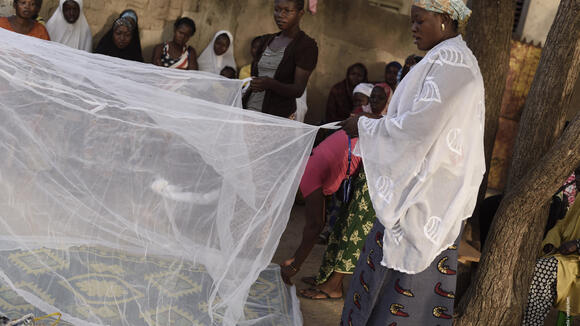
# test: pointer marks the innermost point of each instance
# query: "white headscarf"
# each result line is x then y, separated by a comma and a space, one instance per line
364, 88
77, 35
211, 62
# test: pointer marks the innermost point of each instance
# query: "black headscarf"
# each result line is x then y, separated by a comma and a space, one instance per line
132, 52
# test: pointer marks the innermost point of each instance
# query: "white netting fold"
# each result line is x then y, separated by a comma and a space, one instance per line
136, 195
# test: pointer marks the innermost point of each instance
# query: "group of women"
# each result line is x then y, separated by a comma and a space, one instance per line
408, 161
281, 67
68, 25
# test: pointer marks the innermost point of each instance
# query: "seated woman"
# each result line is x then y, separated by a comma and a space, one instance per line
284, 64
131, 15
557, 272
392, 70
176, 54
68, 25
355, 221
117, 42
360, 98
339, 105
218, 54
23, 22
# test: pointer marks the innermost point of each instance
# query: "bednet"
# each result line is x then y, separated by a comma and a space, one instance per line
137, 195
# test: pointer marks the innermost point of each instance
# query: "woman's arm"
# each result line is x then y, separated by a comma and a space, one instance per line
301, 76
156, 59
570, 247
192, 59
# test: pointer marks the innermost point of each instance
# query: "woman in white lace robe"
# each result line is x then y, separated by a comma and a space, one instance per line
424, 163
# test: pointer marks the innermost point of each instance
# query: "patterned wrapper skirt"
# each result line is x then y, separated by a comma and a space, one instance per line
348, 235
386, 297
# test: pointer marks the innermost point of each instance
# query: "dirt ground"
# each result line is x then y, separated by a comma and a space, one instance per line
315, 313
327, 312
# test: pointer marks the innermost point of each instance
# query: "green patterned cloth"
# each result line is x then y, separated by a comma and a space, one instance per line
349, 233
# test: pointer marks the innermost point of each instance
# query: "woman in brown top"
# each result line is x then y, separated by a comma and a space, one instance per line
285, 62
339, 105
22, 22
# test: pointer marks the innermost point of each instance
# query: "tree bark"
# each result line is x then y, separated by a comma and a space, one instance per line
499, 292
488, 35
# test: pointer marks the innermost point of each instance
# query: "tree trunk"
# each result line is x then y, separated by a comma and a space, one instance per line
488, 35
499, 292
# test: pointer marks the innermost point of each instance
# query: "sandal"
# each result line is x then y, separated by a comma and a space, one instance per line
310, 280
317, 292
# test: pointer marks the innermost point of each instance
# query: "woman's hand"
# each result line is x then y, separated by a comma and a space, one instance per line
350, 126
549, 249
260, 84
568, 247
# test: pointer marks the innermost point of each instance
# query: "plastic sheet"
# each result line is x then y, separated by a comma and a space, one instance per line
136, 195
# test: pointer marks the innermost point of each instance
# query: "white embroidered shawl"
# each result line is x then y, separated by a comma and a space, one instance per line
425, 159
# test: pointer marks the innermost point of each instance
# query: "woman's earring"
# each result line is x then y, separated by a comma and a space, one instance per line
443, 27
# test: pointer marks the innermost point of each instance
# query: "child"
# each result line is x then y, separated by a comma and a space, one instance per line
228, 72
246, 71
360, 98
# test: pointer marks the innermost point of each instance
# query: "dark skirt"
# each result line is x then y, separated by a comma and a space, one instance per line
386, 297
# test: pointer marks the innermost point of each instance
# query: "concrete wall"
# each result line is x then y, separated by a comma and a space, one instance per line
538, 20
347, 31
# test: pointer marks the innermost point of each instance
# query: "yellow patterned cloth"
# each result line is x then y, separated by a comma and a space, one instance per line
568, 282
454, 8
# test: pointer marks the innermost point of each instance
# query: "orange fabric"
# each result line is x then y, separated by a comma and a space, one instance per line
38, 30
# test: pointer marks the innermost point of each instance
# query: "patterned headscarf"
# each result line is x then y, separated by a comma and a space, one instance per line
454, 8
130, 13
123, 22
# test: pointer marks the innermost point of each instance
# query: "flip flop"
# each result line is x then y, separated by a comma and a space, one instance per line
318, 291
310, 280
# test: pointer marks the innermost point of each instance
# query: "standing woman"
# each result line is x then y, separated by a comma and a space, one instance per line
118, 41
23, 22
68, 25
176, 53
284, 63
424, 163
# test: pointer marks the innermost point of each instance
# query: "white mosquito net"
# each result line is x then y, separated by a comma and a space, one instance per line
137, 195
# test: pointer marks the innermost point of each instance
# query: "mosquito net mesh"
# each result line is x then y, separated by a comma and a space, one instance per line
136, 195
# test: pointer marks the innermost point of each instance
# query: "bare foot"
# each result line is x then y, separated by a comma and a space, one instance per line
287, 269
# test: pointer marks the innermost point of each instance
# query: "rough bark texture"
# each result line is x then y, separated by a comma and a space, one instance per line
488, 35
499, 292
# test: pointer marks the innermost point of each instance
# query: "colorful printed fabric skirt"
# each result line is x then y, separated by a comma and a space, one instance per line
386, 297
349, 232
